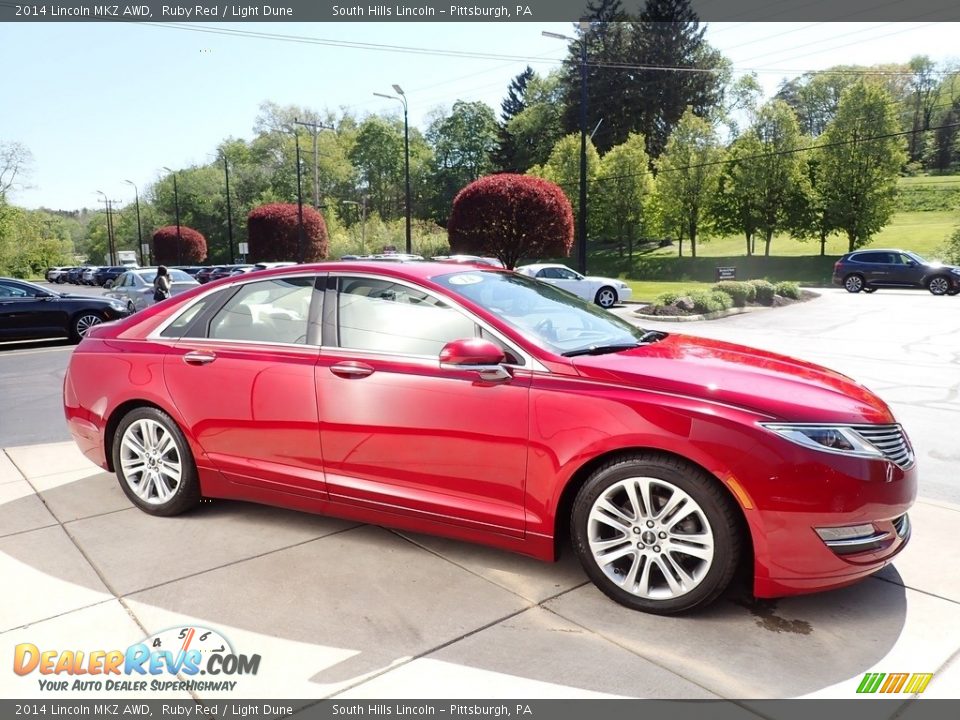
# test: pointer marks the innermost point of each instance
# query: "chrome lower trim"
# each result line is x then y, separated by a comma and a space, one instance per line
853, 543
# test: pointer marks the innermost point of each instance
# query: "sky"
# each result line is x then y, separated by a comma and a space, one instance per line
100, 103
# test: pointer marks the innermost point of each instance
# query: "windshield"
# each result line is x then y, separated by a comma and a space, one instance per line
553, 318
917, 258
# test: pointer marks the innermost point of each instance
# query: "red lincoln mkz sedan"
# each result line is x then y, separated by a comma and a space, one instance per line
482, 405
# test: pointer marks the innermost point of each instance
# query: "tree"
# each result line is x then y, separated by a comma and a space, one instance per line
861, 161
774, 175
950, 252
511, 217
537, 128
463, 143
378, 157
669, 35
925, 93
274, 233
688, 174
734, 205
505, 156
188, 247
563, 169
624, 189
15, 162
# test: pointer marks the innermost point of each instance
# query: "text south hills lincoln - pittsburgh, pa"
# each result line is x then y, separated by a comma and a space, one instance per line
499, 12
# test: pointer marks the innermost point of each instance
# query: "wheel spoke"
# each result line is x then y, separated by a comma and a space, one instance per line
630, 580
676, 588
686, 580
605, 511
645, 496
165, 443
604, 560
132, 443
697, 551
601, 546
639, 510
675, 503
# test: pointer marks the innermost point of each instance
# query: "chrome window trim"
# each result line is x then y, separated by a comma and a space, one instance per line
532, 363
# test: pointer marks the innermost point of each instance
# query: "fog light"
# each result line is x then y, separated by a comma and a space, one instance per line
849, 532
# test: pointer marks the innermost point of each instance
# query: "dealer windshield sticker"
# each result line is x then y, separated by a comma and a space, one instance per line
466, 279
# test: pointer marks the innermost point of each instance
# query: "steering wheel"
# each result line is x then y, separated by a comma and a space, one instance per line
545, 329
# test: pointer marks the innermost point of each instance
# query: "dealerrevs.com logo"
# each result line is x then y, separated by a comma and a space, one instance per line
160, 662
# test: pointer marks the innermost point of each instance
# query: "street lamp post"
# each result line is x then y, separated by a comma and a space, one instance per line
363, 221
136, 190
582, 214
402, 97
176, 207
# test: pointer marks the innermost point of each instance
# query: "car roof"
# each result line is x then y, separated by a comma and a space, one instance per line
424, 270
541, 266
862, 250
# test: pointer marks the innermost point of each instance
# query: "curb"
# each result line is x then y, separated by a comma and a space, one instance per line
694, 318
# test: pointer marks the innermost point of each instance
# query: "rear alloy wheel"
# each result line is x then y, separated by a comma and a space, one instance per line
83, 322
938, 285
853, 283
656, 534
606, 297
154, 463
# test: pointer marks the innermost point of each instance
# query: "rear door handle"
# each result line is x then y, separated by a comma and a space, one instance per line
351, 370
198, 357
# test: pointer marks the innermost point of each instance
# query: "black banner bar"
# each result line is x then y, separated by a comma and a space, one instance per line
854, 709
212, 11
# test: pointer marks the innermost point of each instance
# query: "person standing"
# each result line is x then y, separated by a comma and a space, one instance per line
161, 284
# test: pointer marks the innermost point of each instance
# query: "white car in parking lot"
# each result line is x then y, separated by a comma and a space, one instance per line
135, 287
605, 292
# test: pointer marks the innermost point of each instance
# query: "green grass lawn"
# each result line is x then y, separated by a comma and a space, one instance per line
648, 290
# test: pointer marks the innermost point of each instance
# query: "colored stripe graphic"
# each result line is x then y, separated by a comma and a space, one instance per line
914, 683
870, 682
918, 682
895, 681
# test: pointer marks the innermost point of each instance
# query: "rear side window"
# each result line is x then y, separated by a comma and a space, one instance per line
272, 311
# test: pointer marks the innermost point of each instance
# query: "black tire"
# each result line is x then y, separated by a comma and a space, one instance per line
186, 493
869, 289
938, 285
83, 321
606, 297
853, 283
723, 525
953, 292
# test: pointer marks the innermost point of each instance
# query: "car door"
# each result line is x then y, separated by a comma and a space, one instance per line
400, 433
244, 385
911, 272
27, 312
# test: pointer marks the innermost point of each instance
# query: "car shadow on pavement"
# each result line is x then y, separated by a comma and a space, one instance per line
383, 604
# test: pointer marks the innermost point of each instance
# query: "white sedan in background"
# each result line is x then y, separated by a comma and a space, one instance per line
135, 287
605, 292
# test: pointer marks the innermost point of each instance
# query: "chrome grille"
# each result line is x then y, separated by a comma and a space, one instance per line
901, 525
891, 440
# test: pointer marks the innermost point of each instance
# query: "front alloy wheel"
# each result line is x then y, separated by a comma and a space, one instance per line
853, 283
606, 297
656, 534
83, 323
939, 286
154, 463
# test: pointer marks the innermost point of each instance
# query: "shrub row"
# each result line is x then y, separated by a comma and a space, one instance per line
727, 294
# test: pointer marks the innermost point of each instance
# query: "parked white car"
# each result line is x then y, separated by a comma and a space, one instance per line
87, 277
605, 292
135, 287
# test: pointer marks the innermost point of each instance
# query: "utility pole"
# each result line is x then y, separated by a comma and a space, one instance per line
143, 259
111, 245
299, 203
316, 127
176, 203
226, 177
402, 97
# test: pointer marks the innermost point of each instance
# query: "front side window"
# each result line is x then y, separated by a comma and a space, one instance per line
273, 311
15, 290
384, 316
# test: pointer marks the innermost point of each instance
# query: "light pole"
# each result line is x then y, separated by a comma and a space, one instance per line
401, 96
582, 215
363, 221
176, 207
136, 191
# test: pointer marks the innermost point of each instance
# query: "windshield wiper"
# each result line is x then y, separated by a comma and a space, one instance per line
601, 349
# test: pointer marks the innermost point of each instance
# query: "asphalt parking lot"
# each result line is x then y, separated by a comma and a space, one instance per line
346, 610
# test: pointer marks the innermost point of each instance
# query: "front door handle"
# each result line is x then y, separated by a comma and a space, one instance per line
351, 370
198, 357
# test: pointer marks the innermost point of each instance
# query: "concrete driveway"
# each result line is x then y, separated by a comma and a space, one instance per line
345, 610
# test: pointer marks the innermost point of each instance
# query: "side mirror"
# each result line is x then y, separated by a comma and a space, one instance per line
476, 354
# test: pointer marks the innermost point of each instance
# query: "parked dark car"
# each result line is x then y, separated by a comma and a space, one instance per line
191, 270
228, 270
64, 274
868, 270
204, 275
29, 312
109, 274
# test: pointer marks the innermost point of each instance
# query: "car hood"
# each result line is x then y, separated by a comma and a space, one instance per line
778, 386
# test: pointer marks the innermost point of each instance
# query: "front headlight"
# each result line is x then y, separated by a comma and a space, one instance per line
623, 286
117, 305
955, 271
840, 439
